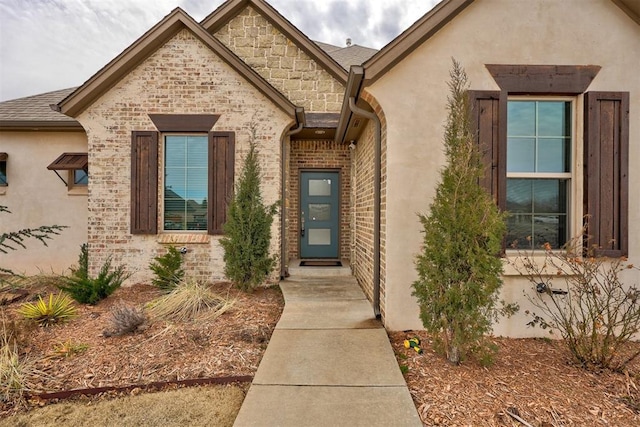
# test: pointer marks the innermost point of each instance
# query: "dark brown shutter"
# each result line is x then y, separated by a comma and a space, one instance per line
606, 176
144, 182
485, 119
221, 172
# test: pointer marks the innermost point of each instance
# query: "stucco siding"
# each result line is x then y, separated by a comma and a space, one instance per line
414, 95
181, 77
36, 196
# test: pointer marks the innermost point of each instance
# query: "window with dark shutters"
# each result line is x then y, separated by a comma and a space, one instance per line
144, 182
606, 185
221, 173
606, 152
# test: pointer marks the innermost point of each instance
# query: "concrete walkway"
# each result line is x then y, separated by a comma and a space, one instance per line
329, 363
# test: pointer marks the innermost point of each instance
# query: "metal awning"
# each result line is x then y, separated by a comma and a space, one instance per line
69, 161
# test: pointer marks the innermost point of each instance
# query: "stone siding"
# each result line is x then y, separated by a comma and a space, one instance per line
281, 62
182, 77
322, 154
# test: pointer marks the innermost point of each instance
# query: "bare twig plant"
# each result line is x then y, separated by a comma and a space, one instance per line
584, 296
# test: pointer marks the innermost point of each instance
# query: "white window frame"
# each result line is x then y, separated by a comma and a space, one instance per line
574, 208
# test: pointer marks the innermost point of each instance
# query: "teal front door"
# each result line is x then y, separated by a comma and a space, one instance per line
319, 214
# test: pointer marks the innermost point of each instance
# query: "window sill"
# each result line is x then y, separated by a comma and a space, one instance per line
3, 190
181, 238
78, 191
513, 265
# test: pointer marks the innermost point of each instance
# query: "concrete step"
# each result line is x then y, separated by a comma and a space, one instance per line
295, 270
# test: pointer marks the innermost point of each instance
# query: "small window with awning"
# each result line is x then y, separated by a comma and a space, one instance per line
3, 169
76, 165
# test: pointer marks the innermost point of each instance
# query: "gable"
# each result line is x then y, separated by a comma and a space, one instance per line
149, 43
280, 53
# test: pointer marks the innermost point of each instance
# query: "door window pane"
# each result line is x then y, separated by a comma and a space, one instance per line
319, 236
319, 187
320, 212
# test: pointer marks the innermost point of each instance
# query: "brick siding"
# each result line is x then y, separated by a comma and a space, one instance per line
321, 154
362, 169
183, 76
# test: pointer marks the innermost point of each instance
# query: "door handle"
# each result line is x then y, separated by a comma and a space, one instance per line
302, 224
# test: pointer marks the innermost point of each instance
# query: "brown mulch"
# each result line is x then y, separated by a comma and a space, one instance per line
533, 379
230, 345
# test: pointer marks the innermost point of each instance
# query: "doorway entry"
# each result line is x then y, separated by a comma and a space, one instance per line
319, 214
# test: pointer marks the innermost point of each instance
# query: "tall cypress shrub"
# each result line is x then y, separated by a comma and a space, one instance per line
459, 268
248, 229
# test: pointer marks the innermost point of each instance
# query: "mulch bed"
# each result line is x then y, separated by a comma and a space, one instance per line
533, 379
230, 345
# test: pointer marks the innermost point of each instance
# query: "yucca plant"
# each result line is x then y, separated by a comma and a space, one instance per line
190, 299
69, 348
56, 309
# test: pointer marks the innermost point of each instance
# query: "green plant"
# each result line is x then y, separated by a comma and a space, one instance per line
125, 319
404, 369
459, 269
69, 348
189, 299
11, 240
87, 290
82, 271
596, 313
46, 313
167, 269
248, 228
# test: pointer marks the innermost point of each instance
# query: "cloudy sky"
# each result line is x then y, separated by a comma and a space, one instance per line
47, 45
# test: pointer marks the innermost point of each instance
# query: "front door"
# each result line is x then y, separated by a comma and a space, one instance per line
319, 214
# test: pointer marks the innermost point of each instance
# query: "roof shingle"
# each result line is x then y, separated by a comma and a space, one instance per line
34, 111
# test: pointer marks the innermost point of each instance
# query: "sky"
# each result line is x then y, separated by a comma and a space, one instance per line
46, 45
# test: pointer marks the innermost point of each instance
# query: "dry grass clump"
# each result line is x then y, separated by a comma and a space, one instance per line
16, 372
189, 300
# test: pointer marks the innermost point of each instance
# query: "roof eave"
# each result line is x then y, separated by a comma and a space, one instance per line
352, 90
631, 8
29, 125
414, 36
231, 8
177, 20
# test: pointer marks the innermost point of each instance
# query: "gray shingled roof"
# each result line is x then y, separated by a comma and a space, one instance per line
34, 111
349, 55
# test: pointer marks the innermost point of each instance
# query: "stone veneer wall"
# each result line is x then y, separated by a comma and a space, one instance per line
281, 62
183, 76
321, 154
362, 169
